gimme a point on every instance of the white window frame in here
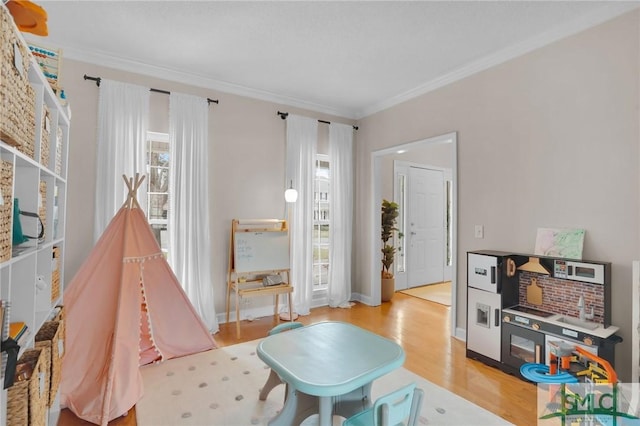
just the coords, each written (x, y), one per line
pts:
(164, 138)
(321, 217)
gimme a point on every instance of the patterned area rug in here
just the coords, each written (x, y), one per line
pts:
(221, 387)
(439, 293)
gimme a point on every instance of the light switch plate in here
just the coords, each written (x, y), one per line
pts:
(479, 233)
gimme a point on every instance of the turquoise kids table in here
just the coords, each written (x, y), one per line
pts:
(329, 368)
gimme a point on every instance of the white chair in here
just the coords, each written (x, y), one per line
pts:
(274, 380)
(400, 407)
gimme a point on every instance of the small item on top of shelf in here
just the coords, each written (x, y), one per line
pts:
(50, 61)
(29, 17)
(63, 101)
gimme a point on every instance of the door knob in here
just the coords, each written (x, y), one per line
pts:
(413, 233)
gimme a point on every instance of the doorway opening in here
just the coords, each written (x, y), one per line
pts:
(439, 150)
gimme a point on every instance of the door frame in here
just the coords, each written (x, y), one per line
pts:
(376, 197)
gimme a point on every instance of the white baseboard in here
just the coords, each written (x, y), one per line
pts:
(362, 299)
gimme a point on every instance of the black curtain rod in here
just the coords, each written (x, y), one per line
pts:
(284, 115)
(166, 92)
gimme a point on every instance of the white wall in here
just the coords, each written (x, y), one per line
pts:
(549, 139)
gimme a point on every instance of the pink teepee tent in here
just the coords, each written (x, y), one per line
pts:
(124, 308)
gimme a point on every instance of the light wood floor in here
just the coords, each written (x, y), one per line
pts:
(422, 329)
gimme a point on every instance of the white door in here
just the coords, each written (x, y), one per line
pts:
(425, 227)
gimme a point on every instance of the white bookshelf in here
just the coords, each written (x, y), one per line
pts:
(35, 258)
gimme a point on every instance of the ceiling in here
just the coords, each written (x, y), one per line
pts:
(344, 58)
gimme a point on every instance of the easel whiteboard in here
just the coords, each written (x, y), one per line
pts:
(261, 251)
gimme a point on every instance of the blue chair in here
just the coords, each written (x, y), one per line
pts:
(400, 407)
(274, 379)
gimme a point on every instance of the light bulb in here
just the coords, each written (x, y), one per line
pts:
(291, 195)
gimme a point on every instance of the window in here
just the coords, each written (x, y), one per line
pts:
(321, 223)
(158, 186)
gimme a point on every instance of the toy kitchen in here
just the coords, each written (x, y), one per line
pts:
(521, 307)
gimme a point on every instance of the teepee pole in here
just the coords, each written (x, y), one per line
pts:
(133, 185)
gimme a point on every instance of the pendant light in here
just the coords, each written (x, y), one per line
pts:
(291, 195)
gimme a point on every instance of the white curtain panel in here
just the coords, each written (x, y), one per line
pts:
(340, 214)
(302, 141)
(123, 115)
(190, 253)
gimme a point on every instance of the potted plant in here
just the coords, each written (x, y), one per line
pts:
(389, 220)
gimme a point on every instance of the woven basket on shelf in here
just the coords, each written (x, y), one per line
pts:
(17, 109)
(45, 136)
(32, 393)
(55, 274)
(49, 336)
(6, 210)
(58, 166)
(60, 318)
(18, 404)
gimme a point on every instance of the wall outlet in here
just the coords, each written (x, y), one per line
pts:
(479, 232)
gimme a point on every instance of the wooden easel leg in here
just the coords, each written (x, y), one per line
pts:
(237, 315)
(228, 301)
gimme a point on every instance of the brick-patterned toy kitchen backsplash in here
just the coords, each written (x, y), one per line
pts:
(561, 296)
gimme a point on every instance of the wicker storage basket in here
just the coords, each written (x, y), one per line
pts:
(60, 318)
(18, 404)
(49, 336)
(45, 136)
(17, 97)
(55, 274)
(6, 210)
(32, 393)
(58, 166)
(42, 211)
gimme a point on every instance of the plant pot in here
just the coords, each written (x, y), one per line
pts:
(388, 288)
